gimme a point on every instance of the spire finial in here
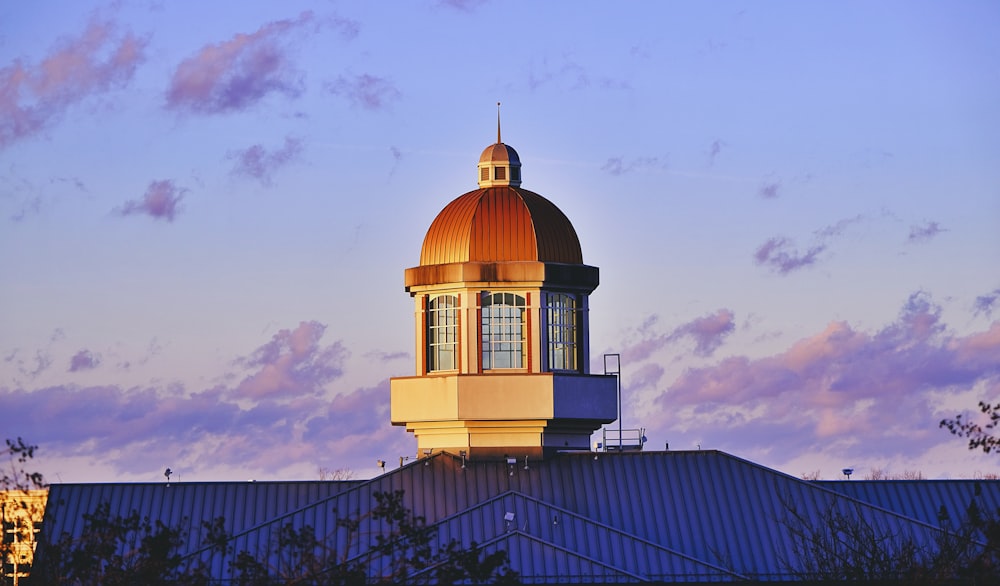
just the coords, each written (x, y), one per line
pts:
(498, 123)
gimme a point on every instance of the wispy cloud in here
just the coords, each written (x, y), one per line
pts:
(714, 149)
(260, 164)
(365, 91)
(778, 255)
(467, 6)
(293, 363)
(769, 189)
(236, 74)
(84, 360)
(838, 228)
(925, 232)
(160, 202)
(280, 415)
(984, 304)
(619, 166)
(708, 333)
(35, 96)
(844, 386)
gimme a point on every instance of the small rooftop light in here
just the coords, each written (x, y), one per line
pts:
(847, 472)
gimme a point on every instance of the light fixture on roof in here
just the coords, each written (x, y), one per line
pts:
(381, 464)
(526, 462)
(167, 473)
(847, 472)
(427, 455)
(462, 453)
(511, 462)
(508, 520)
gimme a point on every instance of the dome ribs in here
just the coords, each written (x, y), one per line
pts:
(501, 224)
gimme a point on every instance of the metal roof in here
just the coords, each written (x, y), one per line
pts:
(619, 517)
(500, 224)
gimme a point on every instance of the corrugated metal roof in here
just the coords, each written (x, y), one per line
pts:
(500, 224)
(694, 516)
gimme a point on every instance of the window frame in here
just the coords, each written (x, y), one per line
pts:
(442, 338)
(562, 323)
(503, 331)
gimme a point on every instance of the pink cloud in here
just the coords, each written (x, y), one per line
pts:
(366, 91)
(159, 202)
(84, 360)
(259, 163)
(293, 363)
(776, 254)
(238, 73)
(839, 381)
(708, 332)
(32, 97)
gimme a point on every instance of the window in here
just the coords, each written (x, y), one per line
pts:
(501, 173)
(442, 332)
(503, 330)
(561, 331)
(484, 174)
(515, 173)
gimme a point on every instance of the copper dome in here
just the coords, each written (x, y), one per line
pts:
(500, 153)
(500, 224)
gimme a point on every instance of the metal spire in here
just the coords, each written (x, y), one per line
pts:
(498, 123)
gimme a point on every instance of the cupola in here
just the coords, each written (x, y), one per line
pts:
(501, 315)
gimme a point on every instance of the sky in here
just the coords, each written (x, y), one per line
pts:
(206, 210)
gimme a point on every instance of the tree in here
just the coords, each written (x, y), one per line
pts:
(842, 544)
(114, 550)
(981, 437)
(405, 552)
(117, 550)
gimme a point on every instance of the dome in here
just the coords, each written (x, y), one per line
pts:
(500, 153)
(500, 224)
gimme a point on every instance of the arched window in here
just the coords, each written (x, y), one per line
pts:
(503, 330)
(442, 332)
(562, 317)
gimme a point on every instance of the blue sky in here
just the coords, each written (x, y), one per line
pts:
(206, 211)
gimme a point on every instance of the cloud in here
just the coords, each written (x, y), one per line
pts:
(34, 97)
(618, 166)
(776, 254)
(84, 360)
(838, 227)
(714, 149)
(260, 164)
(769, 190)
(365, 91)
(462, 5)
(984, 303)
(708, 332)
(843, 387)
(293, 363)
(236, 74)
(925, 232)
(279, 416)
(159, 202)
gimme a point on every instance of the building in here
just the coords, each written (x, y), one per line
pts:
(21, 514)
(502, 406)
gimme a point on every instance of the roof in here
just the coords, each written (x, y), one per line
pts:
(500, 224)
(500, 153)
(585, 517)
